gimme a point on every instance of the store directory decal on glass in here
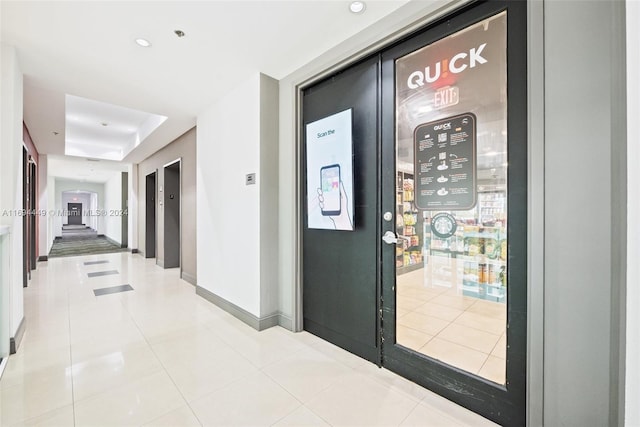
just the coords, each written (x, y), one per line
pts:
(330, 172)
(445, 163)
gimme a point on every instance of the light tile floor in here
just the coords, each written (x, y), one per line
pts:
(161, 356)
(466, 332)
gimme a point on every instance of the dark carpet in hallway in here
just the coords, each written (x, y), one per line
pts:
(78, 240)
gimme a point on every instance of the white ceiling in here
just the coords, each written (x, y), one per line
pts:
(105, 131)
(86, 49)
(84, 170)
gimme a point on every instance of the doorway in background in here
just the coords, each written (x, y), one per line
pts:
(150, 216)
(74, 211)
(124, 218)
(29, 234)
(172, 232)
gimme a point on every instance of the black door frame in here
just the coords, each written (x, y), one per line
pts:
(29, 235)
(33, 176)
(26, 269)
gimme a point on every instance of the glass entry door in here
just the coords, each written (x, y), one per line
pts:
(454, 178)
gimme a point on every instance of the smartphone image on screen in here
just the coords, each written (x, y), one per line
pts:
(330, 186)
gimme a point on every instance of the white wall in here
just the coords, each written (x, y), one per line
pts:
(228, 253)
(237, 245)
(93, 207)
(268, 181)
(132, 206)
(51, 218)
(5, 285)
(632, 386)
(113, 203)
(581, 102)
(11, 174)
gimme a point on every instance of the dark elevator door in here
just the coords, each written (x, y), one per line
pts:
(150, 217)
(172, 234)
(340, 277)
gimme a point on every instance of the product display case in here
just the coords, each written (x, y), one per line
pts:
(491, 207)
(443, 254)
(473, 260)
(409, 222)
(484, 267)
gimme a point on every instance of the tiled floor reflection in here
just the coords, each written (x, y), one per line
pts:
(465, 332)
(162, 356)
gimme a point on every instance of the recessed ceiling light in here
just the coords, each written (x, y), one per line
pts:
(143, 42)
(357, 6)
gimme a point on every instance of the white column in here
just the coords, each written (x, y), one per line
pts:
(632, 365)
(11, 176)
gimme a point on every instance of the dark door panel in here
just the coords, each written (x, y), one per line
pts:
(172, 233)
(150, 216)
(340, 267)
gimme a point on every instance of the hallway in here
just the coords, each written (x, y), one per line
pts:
(160, 355)
(81, 240)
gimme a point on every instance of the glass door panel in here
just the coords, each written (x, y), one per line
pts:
(451, 166)
(454, 171)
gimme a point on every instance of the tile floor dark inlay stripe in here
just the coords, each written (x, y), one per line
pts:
(102, 273)
(112, 290)
(104, 261)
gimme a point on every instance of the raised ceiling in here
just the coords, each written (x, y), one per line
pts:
(105, 131)
(88, 50)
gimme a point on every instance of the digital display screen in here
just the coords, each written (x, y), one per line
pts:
(329, 149)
